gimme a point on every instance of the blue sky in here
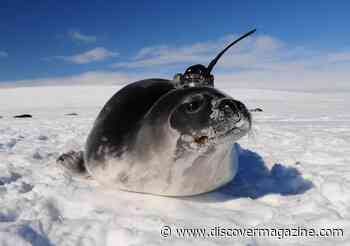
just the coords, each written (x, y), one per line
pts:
(53, 41)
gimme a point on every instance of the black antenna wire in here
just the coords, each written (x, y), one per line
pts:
(215, 60)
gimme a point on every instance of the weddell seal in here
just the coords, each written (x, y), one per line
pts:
(165, 137)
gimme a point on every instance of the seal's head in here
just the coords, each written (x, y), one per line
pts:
(206, 117)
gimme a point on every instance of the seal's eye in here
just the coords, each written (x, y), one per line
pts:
(194, 104)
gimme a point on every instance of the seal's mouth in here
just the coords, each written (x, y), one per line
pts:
(201, 140)
(223, 131)
(205, 139)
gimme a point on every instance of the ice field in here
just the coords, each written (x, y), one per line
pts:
(294, 173)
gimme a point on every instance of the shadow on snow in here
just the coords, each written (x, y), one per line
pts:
(254, 179)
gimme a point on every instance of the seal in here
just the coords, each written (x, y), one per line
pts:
(152, 138)
(156, 137)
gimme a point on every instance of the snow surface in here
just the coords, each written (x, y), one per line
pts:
(294, 171)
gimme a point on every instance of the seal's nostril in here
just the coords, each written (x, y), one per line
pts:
(230, 110)
(228, 106)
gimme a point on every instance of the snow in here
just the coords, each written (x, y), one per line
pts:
(294, 172)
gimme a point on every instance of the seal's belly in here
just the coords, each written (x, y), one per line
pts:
(190, 175)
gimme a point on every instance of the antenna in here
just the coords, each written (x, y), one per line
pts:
(215, 60)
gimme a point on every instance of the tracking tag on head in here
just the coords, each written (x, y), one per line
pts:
(199, 75)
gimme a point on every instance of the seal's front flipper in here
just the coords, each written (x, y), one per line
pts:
(73, 162)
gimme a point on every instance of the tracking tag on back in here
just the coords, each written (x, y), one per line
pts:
(199, 75)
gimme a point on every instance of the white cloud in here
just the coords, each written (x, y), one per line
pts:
(165, 55)
(340, 57)
(246, 51)
(94, 55)
(3, 54)
(77, 36)
(88, 78)
(256, 62)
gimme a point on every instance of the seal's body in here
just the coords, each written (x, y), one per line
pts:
(152, 138)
